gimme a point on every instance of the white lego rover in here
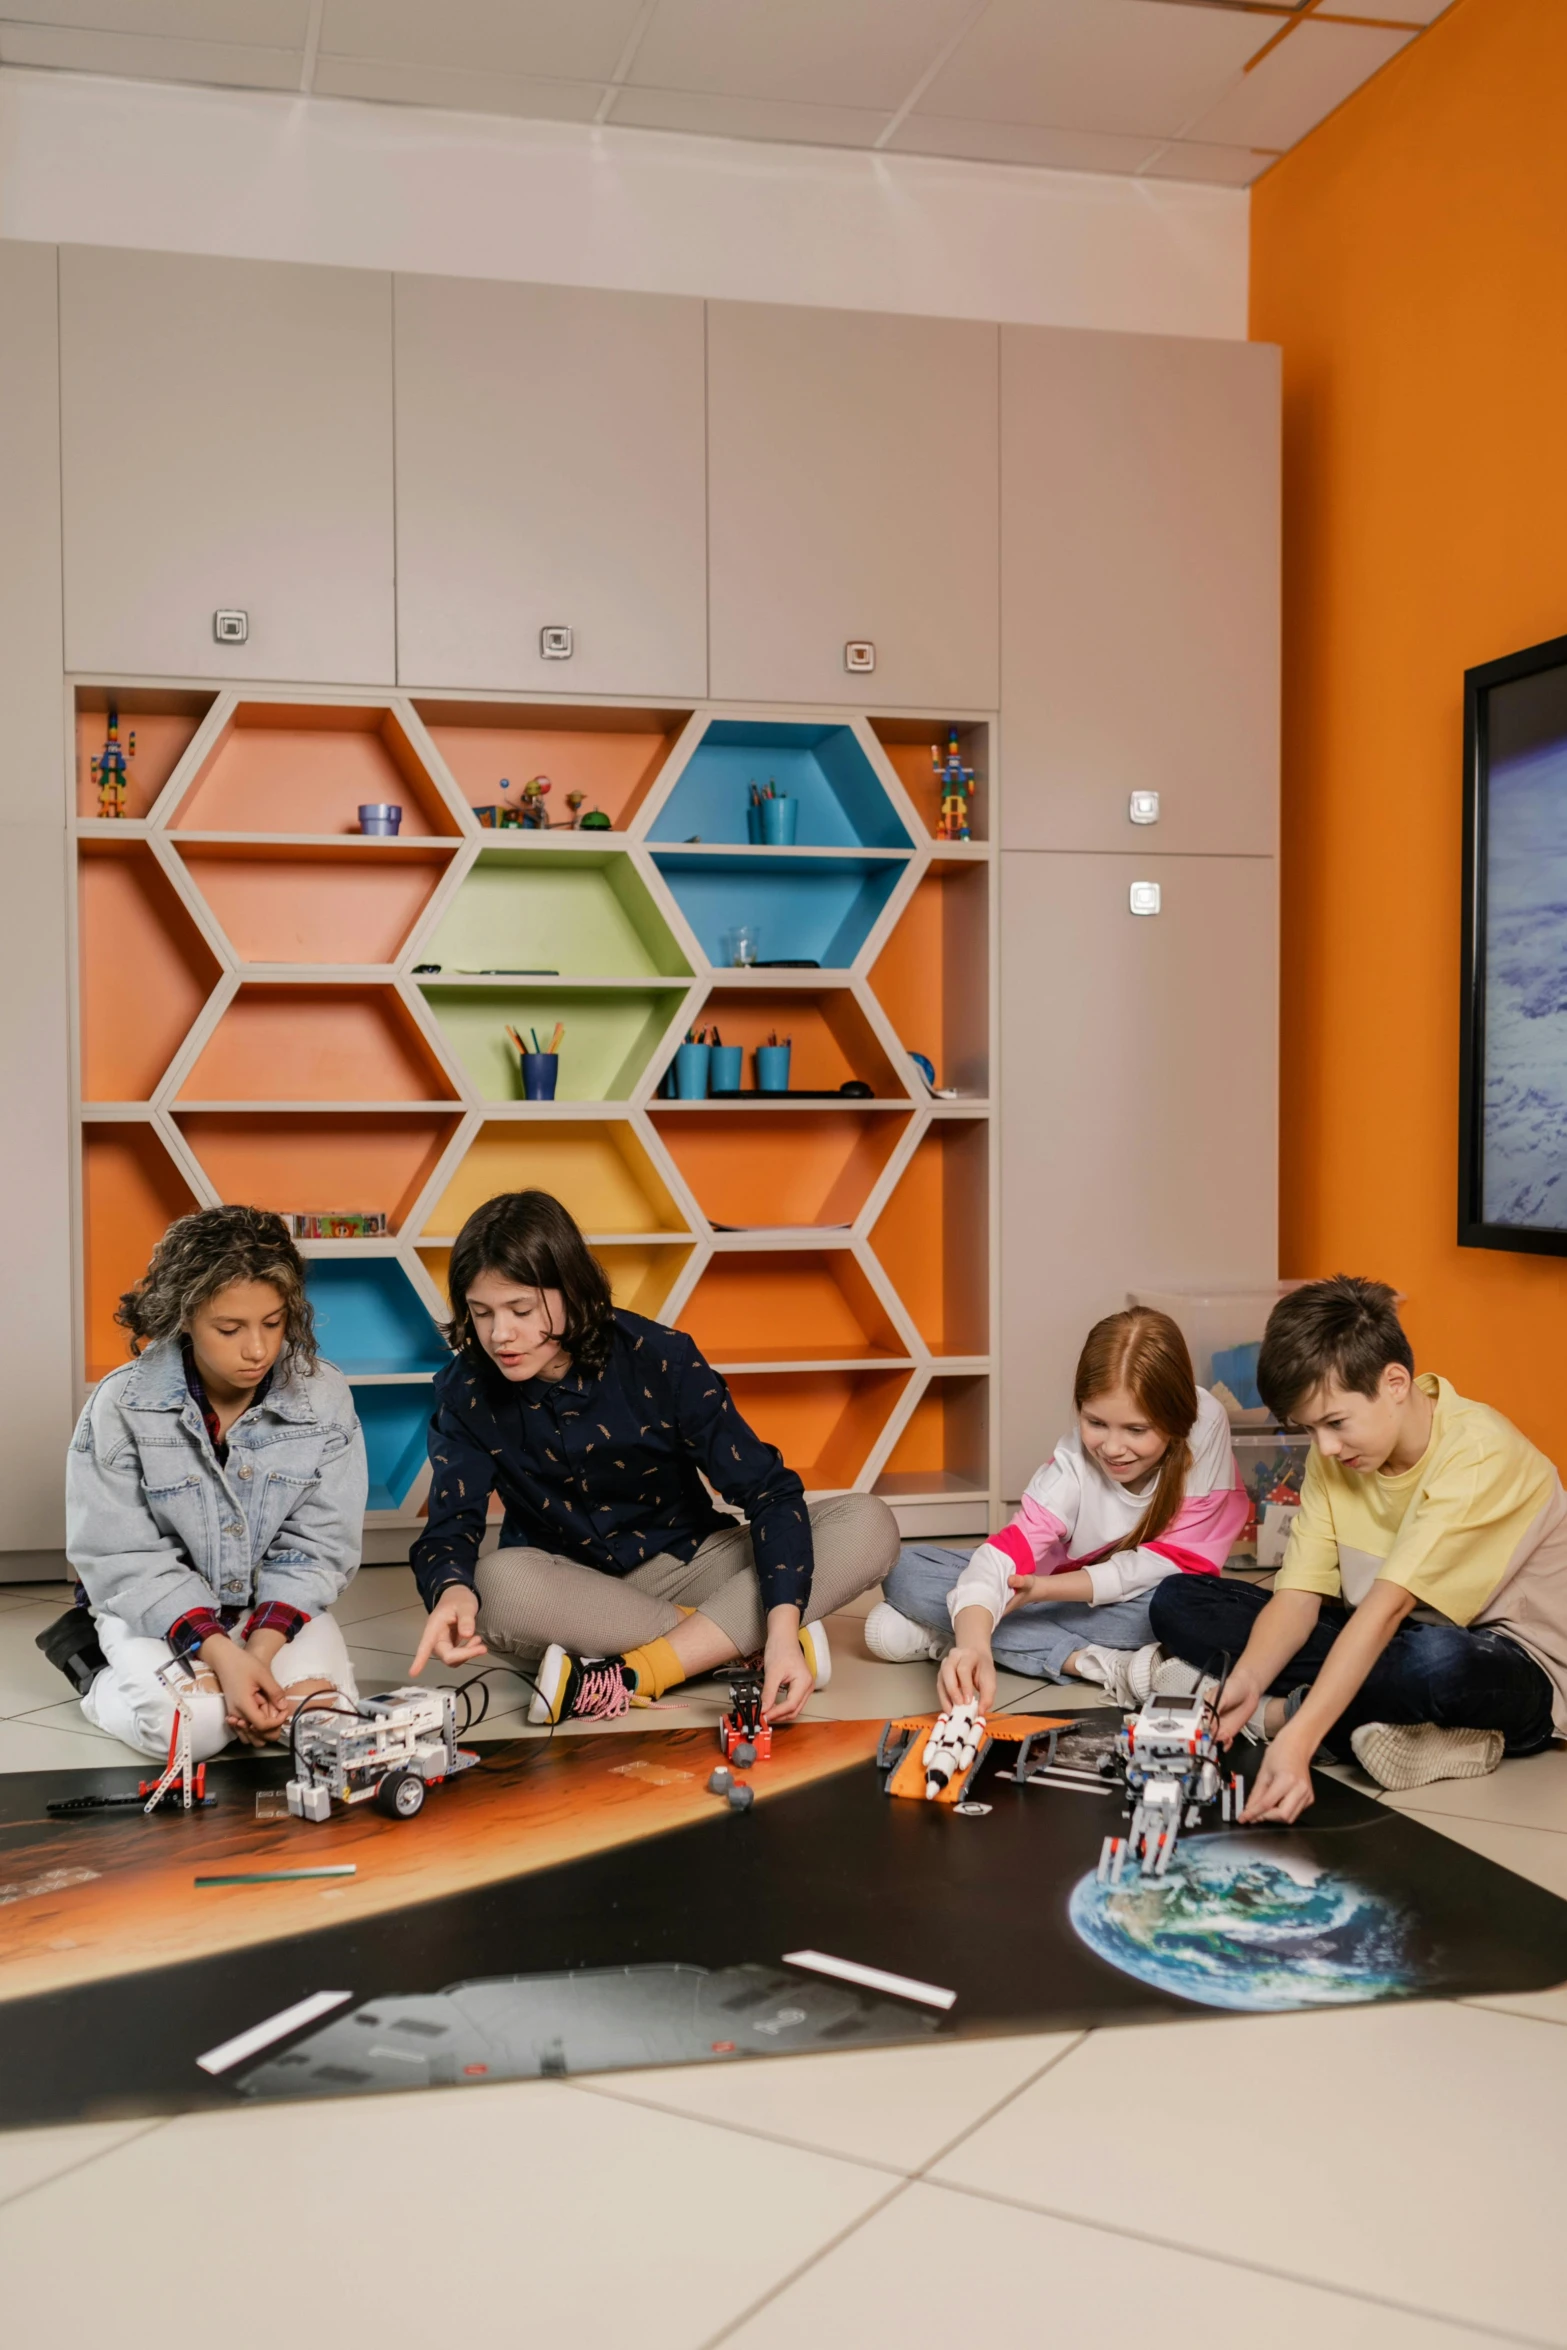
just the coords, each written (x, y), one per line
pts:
(386, 1751)
(1169, 1757)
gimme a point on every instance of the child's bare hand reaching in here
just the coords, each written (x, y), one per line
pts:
(967, 1677)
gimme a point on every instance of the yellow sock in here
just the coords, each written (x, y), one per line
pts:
(656, 1667)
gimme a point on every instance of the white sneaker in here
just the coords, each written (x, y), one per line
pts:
(1174, 1677)
(899, 1641)
(818, 1656)
(1124, 1674)
(1411, 1754)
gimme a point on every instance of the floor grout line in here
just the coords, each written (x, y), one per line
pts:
(597, 2087)
(1261, 2268)
(85, 2162)
(804, 2267)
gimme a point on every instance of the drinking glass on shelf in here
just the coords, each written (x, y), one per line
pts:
(742, 945)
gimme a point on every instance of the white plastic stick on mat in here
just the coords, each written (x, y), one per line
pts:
(276, 2027)
(870, 1978)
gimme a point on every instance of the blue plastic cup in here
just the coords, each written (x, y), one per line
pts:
(772, 1068)
(779, 818)
(691, 1067)
(726, 1067)
(539, 1072)
(753, 821)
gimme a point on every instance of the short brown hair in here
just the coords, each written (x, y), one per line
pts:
(1143, 1351)
(201, 1254)
(1344, 1329)
(531, 1238)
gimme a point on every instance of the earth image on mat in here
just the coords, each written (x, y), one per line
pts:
(1254, 1923)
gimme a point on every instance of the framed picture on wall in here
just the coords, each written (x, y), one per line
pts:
(1512, 1146)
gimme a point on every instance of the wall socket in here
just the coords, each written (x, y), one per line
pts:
(859, 654)
(555, 644)
(231, 628)
(1143, 807)
(1143, 897)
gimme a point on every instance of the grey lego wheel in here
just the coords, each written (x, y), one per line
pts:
(400, 1795)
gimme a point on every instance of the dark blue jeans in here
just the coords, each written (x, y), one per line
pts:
(1427, 1672)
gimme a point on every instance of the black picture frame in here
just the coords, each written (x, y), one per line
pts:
(1476, 1227)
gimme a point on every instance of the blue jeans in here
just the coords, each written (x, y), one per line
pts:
(1427, 1672)
(1037, 1639)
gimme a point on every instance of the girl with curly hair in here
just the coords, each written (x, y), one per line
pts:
(215, 1494)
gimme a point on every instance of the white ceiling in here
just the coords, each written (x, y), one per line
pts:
(1206, 90)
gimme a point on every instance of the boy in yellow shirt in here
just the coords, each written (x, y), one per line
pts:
(1419, 1621)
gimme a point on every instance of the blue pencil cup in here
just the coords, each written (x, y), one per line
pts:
(725, 1068)
(772, 1068)
(753, 822)
(779, 818)
(691, 1066)
(539, 1072)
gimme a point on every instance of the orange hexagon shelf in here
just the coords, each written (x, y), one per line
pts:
(790, 1306)
(316, 1163)
(944, 1446)
(308, 768)
(131, 1192)
(316, 1044)
(156, 730)
(600, 1170)
(932, 1237)
(831, 1037)
(613, 756)
(825, 1423)
(316, 904)
(761, 1170)
(146, 970)
(931, 978)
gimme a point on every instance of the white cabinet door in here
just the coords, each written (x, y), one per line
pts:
(550, 474)
(1139, 1105)
(853, 480)
(1139, 591)
(226, 431)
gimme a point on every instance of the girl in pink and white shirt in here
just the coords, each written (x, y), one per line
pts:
(1144, 1486)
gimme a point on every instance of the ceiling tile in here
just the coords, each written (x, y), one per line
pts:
(1214, 167)
(748, 118)
(1021, 142)
(1312, 70)
(465, 89)
(264, 24)
(826, 52)
(232, 64)
(1099, 65)
(566, 40)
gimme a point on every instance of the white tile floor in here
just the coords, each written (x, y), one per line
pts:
(1379, 2179)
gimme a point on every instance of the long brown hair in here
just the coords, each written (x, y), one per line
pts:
(1144, 1352)
(531, 1238)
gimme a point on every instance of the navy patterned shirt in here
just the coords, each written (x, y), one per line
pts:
(605, 1470)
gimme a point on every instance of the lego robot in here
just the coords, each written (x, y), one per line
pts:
(1168, 1757)
(743, 1735)
(386, 1751)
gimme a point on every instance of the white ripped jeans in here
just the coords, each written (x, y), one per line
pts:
(130, 1703)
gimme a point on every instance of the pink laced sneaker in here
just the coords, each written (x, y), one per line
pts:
(580, 1689)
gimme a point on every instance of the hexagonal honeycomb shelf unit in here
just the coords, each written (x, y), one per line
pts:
(315, 1162)
(943, 1449)
(802, 909)
(790, 1306)
(932, 976)
(775, 1169)
(825, 1423)
(614, 756)
(370, 1318)
(145, 971)
(840, 800)
(395, 1421)
(572, 913)
(612, 1033)
(157, 727)
(832, 1038)
(131, 1192)
(932, 1237)
(310, 903)
(299, 767)
(601, 1169)
(316, 1044)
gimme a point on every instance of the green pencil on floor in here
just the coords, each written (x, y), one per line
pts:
(281, 1876)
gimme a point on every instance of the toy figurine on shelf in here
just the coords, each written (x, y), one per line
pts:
(110, 770)
(955, 781)
(533, 813)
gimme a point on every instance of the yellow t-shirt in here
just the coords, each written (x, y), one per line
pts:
(1476, 1530)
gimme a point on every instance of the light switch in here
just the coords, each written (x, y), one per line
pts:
(1144, 897)
(1144, 807)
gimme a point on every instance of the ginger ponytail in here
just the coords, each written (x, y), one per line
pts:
(1144, 1352)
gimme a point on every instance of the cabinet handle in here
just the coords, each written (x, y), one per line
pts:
(555, 644)
(1143, 807)
(859, 654)
(1143, 897)
(231, 628)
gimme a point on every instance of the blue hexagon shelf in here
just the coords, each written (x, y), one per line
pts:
(840, 800)
(394, 1420)
(368, 1317)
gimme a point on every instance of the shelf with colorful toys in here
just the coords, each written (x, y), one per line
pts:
(355, 1027)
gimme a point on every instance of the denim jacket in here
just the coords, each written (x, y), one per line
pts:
(155, 1527)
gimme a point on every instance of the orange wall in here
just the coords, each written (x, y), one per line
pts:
(1409, 258)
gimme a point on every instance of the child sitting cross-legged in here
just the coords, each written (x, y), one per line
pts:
(1144, 1487)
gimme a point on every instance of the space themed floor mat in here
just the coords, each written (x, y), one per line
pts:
(587, 1904)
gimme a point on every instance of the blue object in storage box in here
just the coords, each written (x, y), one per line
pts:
(1235, 1367)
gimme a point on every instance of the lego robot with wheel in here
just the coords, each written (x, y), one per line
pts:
(384, 1750)
(742, 1726)
(1169, 1759)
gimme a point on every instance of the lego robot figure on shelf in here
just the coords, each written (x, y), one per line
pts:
(953, 1748)
(386, 1751)
(1169, 1759)
(110, 770)
(743, 1735)
(532, 813)
(955, 780)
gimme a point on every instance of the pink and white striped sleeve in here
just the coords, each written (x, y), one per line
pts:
(1034, 1543)
(1196, 1542)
